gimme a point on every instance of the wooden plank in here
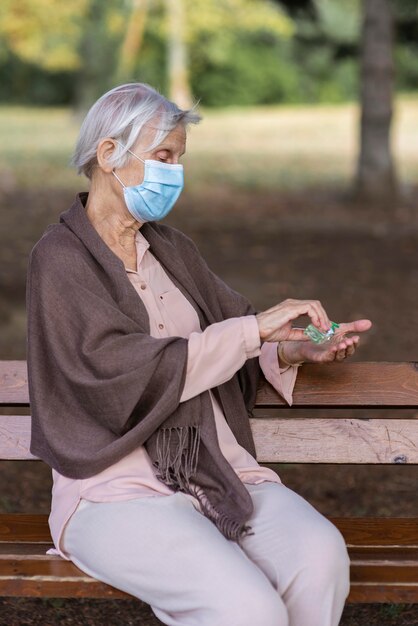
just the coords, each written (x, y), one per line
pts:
(343, 384)
(13, 383)
(367, 384)
(361, 593)
(78, 587)
(59, 578)
(37, 577)
(24, 528)
(287, 440)
(386, 593)
(53, 567)
(320, 440)
(395, 554)
(384, 572)
(394, 532)
(14, 550)
(15, 437)
(378, 531)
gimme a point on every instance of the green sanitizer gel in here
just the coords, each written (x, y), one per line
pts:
(317, 336)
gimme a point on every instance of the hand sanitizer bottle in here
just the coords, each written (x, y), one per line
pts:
(317, 336)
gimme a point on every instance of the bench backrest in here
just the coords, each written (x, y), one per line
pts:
(341, 413)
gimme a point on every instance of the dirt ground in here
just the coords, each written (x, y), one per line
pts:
(358, 260)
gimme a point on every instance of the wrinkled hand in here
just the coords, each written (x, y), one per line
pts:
(275, 324)
(337, 349)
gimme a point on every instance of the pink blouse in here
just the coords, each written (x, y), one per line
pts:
(214, 356)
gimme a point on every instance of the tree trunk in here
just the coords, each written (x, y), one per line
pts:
(132, 42)
(179, 88)
(376, 177)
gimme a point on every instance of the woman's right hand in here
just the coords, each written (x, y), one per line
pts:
(275, 324)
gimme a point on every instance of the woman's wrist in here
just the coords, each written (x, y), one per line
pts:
(264, 333)
(288, 353)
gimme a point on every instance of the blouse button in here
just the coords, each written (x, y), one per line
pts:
(160, 325)
(143, 286)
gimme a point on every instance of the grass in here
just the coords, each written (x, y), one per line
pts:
(277, 147)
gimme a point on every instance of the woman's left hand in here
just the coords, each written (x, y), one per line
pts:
(337, 349)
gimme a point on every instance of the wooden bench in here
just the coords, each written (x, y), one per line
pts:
(383, 551)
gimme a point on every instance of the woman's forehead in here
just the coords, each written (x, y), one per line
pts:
(174, 140)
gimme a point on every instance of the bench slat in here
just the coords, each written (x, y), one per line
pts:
(319, 440)
(365, 572)
(385, 582)
(356, 384)
(379, 531)
(53, 587)
(285, 440)
(58, 568)
(15, 437)
(15, 587)
(24, 528)
(24, 550)
(13, 383)
(375, 384)
(357, 531)
(380, 592)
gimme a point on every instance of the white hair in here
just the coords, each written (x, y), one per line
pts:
(121, 113)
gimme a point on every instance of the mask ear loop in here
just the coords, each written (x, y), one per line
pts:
(130, 151)
(116, 176)
(113, 171)
(133, 154)
(136, 156)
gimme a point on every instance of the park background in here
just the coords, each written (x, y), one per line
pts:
(301, 181)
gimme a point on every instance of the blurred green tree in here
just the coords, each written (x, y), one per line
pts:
(77, 39)
(43, 32)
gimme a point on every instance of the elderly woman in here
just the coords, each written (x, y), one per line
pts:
(143, 369)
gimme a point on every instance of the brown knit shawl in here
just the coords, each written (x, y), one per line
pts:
(100, 385)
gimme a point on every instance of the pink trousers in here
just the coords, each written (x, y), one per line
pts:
(294, 571)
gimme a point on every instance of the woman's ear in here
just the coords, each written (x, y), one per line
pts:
(105, 149)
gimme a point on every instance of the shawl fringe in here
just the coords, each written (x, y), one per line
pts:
(177, 451)
(177, 455)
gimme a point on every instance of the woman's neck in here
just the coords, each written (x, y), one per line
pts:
(115, 225)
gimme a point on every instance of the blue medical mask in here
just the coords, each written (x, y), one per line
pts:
(154, 198)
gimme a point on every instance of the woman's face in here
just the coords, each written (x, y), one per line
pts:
(168, 151)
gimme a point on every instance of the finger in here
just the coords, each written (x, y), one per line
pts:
(296, 334)
(319, 313)
(358, 326)
(340, 356)
(346, 340)
(325, 321)
(295, 308)
(351, 350)
(301, 337)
